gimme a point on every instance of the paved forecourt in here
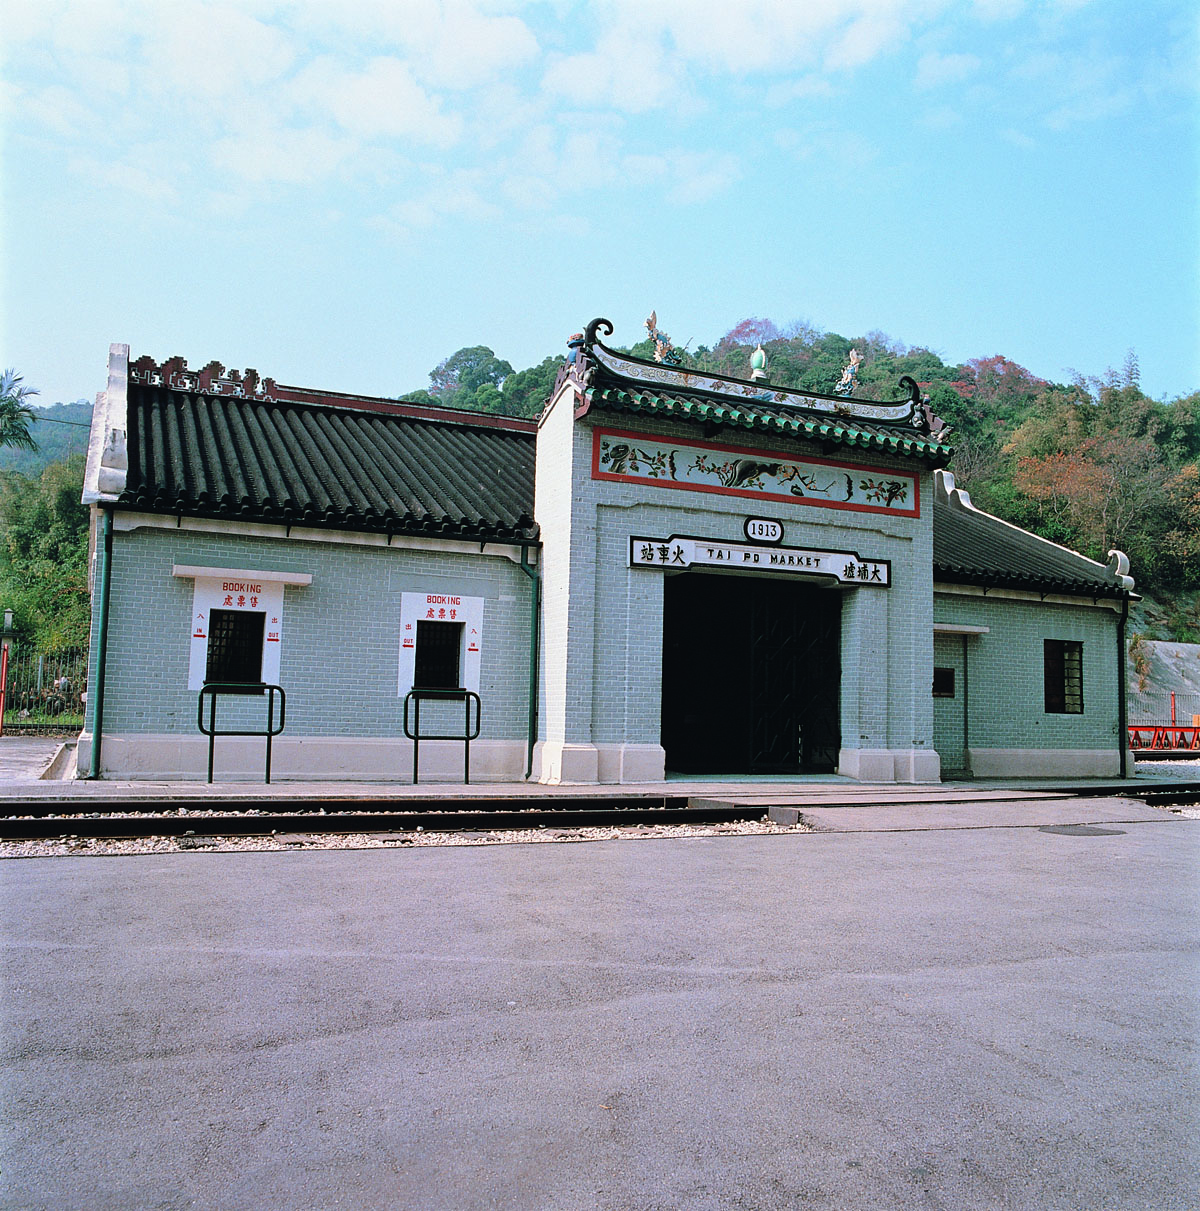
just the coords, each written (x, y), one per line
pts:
(976, 1018)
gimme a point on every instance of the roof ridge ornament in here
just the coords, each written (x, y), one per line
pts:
(1118, 569)
(595, 356)
(664, 352)
(214, 379)
(845, 384)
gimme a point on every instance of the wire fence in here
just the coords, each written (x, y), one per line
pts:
(44, 692)
(1163, 709)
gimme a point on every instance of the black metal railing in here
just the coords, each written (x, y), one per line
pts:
(468, 733)
(44, 691)
(240, 688)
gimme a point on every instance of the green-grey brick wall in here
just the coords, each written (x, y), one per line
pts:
(1006, 703)
(339, 660)
(884, 694)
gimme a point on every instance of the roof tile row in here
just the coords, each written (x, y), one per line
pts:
(790, 422)
(298, 464)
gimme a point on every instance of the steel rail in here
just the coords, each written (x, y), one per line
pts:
(209, 822)
(244, 818)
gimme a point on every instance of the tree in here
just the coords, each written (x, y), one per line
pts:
(15, 414)
(59, 430)
(752, 331)
(527, 391)
(464, 372)
(44, 554)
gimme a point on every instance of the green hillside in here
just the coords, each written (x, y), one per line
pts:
(60, 430)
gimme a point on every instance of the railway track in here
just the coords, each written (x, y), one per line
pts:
(334, 817)
(247, 817)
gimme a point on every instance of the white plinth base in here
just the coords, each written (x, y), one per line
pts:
(556, 762)
(1045, 762)
(308, 758)
(890, 764)
(631, 762)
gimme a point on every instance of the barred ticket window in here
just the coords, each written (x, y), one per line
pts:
(237, 623)
(1063, 676)
(441, 641)
(943, 683)
(235, 645)
(438, 655)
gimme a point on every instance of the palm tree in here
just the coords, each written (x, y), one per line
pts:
(15, 414)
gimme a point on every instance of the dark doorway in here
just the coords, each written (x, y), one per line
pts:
(751, 670)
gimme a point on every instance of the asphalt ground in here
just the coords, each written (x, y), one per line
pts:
(26, 758)
(968, 1018)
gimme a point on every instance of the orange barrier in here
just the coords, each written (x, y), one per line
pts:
(1152, 736)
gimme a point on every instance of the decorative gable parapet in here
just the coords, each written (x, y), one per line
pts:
(213, 379)
(107, 468)
(589, 354)
(1118, 569)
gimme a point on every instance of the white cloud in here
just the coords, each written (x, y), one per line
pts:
(698, 176)
(1018, 139)
(799, 89)
(383, 100)
(443, 197)
(934, 70)
(626, 72)
(264, 153)
(55, 108)
(128, 177)
(868, 36)
(943, 118)
(772, 35)
(1080, 85)
(448, 43)
(201, 52)
(998, 10)
(467, 47)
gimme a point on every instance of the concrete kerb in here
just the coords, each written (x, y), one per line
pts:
(62, 764)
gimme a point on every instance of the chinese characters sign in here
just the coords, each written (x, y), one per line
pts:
(757, 474)
(674, 553)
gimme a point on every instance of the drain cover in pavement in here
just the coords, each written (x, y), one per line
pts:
(1081, 830)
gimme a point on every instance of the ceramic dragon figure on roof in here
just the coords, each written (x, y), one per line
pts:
(664, 351)
(845, 385)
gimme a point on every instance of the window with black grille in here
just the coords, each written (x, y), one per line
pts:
(439, 645)
(1064, 677)
(235, 645)
(943, 683)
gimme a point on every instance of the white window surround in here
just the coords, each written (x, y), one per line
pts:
(237, 589)
(440, 607)
(959, 628)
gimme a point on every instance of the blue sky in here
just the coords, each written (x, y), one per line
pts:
(341, 195)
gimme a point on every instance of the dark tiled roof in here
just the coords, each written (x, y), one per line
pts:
(972, 547)
(299, 464)
(791, 422)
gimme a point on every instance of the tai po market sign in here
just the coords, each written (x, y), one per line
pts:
(676, 553)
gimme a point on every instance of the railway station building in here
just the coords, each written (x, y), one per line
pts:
(669, 573)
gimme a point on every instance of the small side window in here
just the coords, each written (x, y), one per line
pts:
(943, 683)
(1063, 676)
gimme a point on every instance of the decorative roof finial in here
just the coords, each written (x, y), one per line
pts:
(758, 364)
(845, 384)
(664, 351)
